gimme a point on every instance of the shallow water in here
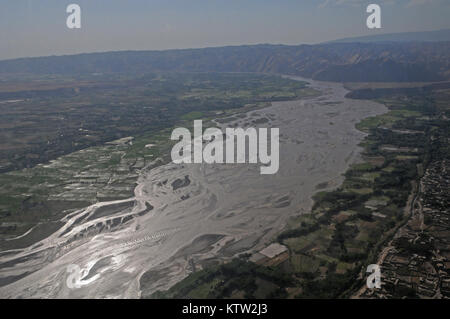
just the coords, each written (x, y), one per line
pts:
(224, 210)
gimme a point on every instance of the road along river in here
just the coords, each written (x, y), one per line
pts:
(183, 215)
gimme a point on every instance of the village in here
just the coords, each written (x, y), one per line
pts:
(417, 262)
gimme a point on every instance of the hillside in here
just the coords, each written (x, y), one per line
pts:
(424, 36)
(342, 62)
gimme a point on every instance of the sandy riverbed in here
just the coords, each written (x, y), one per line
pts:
(217, 211)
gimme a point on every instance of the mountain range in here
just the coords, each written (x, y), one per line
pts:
(340, 62)
(424, 36)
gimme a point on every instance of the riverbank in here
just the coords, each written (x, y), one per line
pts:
(223, 212)
(329, 248)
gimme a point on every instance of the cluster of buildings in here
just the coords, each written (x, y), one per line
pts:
(416, 264)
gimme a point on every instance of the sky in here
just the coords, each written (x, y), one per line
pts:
(38, 27)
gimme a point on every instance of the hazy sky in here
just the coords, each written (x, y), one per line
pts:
(38, 27)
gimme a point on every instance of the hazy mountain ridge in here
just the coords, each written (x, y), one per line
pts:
(346, 62)
(424, 36)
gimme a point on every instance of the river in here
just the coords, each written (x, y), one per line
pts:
(219, 210)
